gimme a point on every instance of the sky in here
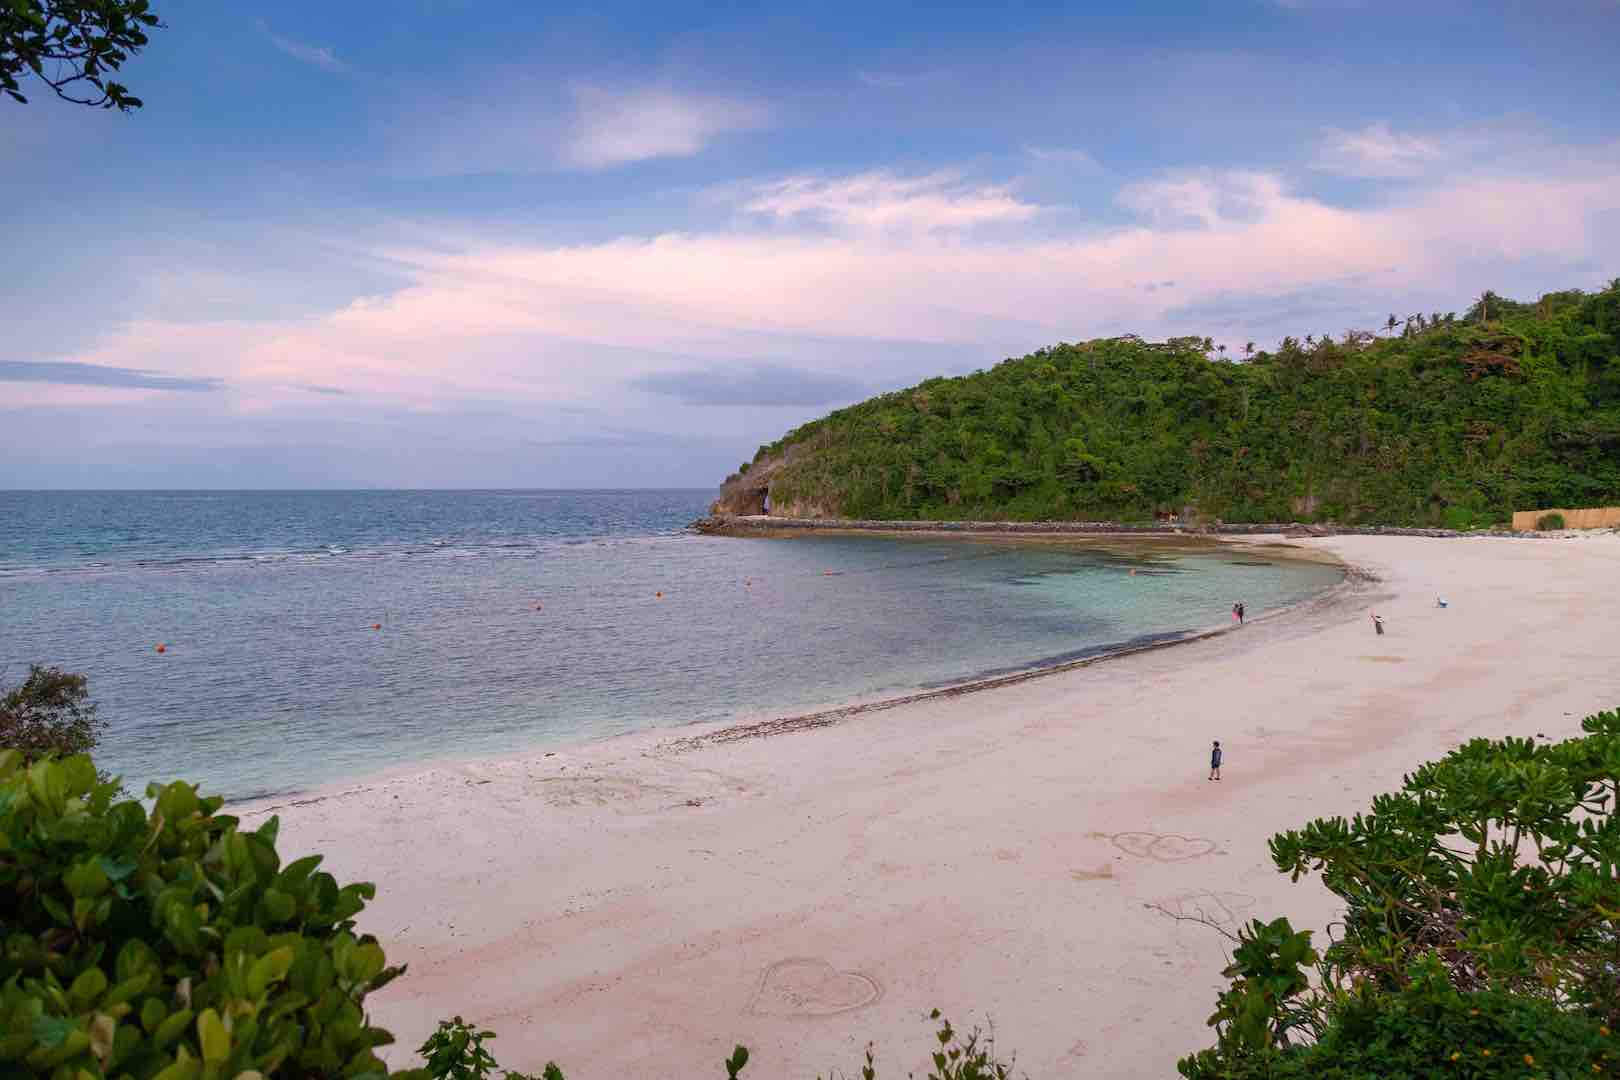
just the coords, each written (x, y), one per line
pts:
(432, 243)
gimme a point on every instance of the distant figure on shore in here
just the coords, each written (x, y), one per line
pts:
(1378, 625)
(1241, 612)
(1215, 761)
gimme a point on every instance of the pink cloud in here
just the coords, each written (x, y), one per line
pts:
(574, 324)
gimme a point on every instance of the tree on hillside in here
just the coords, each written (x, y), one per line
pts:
(1248, 349)
(74, 47)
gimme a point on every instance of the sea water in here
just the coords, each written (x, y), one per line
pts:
(316, 637)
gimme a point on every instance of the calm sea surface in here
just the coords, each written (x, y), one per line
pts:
(512, 619)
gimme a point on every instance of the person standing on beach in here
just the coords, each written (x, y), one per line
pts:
(1240, 612)
(1378, 625)
(1215, 761)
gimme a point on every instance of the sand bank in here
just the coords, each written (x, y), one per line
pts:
(633, 908)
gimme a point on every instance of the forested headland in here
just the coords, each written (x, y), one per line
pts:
(1441, 419)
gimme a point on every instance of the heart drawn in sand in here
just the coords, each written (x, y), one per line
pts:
(1162, 847)
(805, 986)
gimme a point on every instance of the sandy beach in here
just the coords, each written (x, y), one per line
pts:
(635, 907)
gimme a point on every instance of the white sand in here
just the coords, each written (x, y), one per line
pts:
(992, 854)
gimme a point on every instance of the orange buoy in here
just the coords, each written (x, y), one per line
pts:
(162, 648)
(376, 626)
(659, 595)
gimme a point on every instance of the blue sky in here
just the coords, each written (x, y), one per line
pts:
(438, 243)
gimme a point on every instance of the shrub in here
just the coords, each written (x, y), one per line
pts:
(50, 712)
(169, 943)
(1429, 1029)
(1549, 522)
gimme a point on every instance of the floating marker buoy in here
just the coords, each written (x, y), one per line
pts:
(376, 626)
(659, 595)
(162, 648)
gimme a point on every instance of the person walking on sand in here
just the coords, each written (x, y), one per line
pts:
(1378, 625)
(1215, 761)
(1240, 612)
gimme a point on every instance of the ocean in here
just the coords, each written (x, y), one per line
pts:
(316, 637)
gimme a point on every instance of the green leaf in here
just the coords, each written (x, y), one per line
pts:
(216, 1041)
(51, 1031)
(269, 968)
(276, 906)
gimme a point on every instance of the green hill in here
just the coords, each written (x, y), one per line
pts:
(1452, 420)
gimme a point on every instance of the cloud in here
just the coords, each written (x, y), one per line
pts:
(1062, 155)
(761, 384)
(1205, 197)
(69, 373)
(882, 200)
(320, 56)
(620, 126)
(805, 317)
(1376, 152)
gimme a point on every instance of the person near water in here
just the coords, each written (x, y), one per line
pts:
(1378, 625)
(1215, 761)
(1235, 616)
(1240, 612)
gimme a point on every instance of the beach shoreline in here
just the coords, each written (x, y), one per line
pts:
(635, 906)
(755, 724)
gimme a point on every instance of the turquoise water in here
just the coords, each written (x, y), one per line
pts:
(515, 619)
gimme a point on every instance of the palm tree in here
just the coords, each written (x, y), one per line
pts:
(1222, 351)
(1310, 339)
(1248, 349)
(1389, 327)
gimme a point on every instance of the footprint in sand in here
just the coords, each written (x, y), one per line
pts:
(806, 986)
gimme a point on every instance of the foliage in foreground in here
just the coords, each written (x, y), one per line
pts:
(170, 943)
(1481, 934)
(1453, 420)
(75, 47)
(50, 712)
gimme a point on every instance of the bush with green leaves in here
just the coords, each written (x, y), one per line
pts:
(50, 712)
(1428, 1028)
(1550, 522)
(1481, 919)
(168, 942)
